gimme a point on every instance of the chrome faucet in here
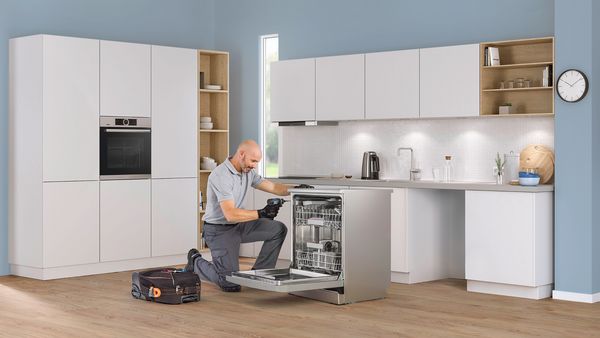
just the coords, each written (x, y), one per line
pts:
(414, 172)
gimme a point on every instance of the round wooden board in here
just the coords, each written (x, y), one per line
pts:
(539, 157)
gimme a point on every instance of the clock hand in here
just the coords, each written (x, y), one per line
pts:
(576, 82)
(566, 82)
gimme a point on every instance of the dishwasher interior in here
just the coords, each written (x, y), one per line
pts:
(318, 233)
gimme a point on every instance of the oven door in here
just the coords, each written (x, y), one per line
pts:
(285, 280)
(125, 153)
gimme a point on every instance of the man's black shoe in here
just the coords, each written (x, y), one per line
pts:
(233, 288)
(191, 258)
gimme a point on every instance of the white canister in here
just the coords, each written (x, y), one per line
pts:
(511, 167)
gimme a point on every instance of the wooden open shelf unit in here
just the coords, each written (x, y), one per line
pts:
(213, 69)
(525, 59)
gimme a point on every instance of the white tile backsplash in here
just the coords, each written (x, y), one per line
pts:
(473, 143)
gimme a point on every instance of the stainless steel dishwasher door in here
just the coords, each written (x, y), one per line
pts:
(285, 280)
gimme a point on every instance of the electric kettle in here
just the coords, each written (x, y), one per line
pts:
(370, 166)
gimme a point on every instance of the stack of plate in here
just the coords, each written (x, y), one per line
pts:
(207, 163)
(213, 87)
(206, 122)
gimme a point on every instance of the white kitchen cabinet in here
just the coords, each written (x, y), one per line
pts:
(449, 81)
(124, 79)
(70, 223)
(392, 84)
(124, 219)
(284, 216)
(340, 88)
(174, 112)
(174, 215)
(68, 104)
(509, 240)
(293, 90)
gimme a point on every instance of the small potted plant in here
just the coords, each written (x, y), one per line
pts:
(505, 108)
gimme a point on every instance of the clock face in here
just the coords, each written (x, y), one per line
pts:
(572, 85)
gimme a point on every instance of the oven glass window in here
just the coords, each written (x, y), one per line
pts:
(124, 151)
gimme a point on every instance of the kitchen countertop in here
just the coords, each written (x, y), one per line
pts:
(423, 184)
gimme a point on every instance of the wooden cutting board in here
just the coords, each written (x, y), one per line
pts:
(539, 157)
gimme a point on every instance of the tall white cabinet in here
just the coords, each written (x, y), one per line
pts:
(449, 84)
(125, 79)
(53, 157)
(64, 221)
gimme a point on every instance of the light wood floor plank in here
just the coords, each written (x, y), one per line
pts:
(101, 306)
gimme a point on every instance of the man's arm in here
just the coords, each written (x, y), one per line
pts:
(273, 188)
(236, 215)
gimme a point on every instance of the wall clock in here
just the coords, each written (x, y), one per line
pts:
(572, 85)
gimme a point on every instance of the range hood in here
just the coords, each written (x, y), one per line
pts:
(306, 123)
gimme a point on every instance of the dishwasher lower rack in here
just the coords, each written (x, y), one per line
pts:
(330, 261)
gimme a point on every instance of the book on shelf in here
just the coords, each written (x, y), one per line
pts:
(494, 56)
(547, 76)
(485, 57)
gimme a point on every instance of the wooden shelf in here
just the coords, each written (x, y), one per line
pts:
(213, 68)
(214, 131)
(517, 89)
(519, 65)
(519, 115)
(520, 59)
(220, 91)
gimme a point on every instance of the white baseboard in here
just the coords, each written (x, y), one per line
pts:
(539, 292)
(96, 268)
(576, 297)
(400, 277)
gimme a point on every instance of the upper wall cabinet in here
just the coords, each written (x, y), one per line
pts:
(174, 112)
(340, 88)
(124, 79)
(293, 90)
(449, 84)
(392, 84)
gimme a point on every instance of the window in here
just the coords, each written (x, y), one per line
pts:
(269, 134)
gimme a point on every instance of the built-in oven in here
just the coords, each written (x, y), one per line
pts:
(125, 148)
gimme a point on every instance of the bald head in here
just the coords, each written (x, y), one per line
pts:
(247, 156)
(249, 146)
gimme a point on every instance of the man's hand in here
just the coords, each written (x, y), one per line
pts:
(269, 211)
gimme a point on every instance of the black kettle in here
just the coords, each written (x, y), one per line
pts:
(370, 166)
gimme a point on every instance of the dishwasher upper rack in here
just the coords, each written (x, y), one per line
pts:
(318, 215)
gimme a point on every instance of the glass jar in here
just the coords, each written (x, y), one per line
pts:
(526, 83)
(519, 82)
(510, 84)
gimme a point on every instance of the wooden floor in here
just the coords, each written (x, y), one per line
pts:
(101, 306)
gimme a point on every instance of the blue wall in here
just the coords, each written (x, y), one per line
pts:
(577, 139)
(595, 92)
(309, 28)
(181, 23)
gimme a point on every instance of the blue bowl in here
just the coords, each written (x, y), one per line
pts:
(529, 180)
(528, 175)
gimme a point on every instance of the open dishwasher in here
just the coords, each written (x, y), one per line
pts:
(340, 251)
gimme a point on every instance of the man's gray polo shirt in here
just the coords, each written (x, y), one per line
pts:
(226, 183)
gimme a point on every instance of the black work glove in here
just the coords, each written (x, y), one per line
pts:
(269, 211)
(304, 186)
